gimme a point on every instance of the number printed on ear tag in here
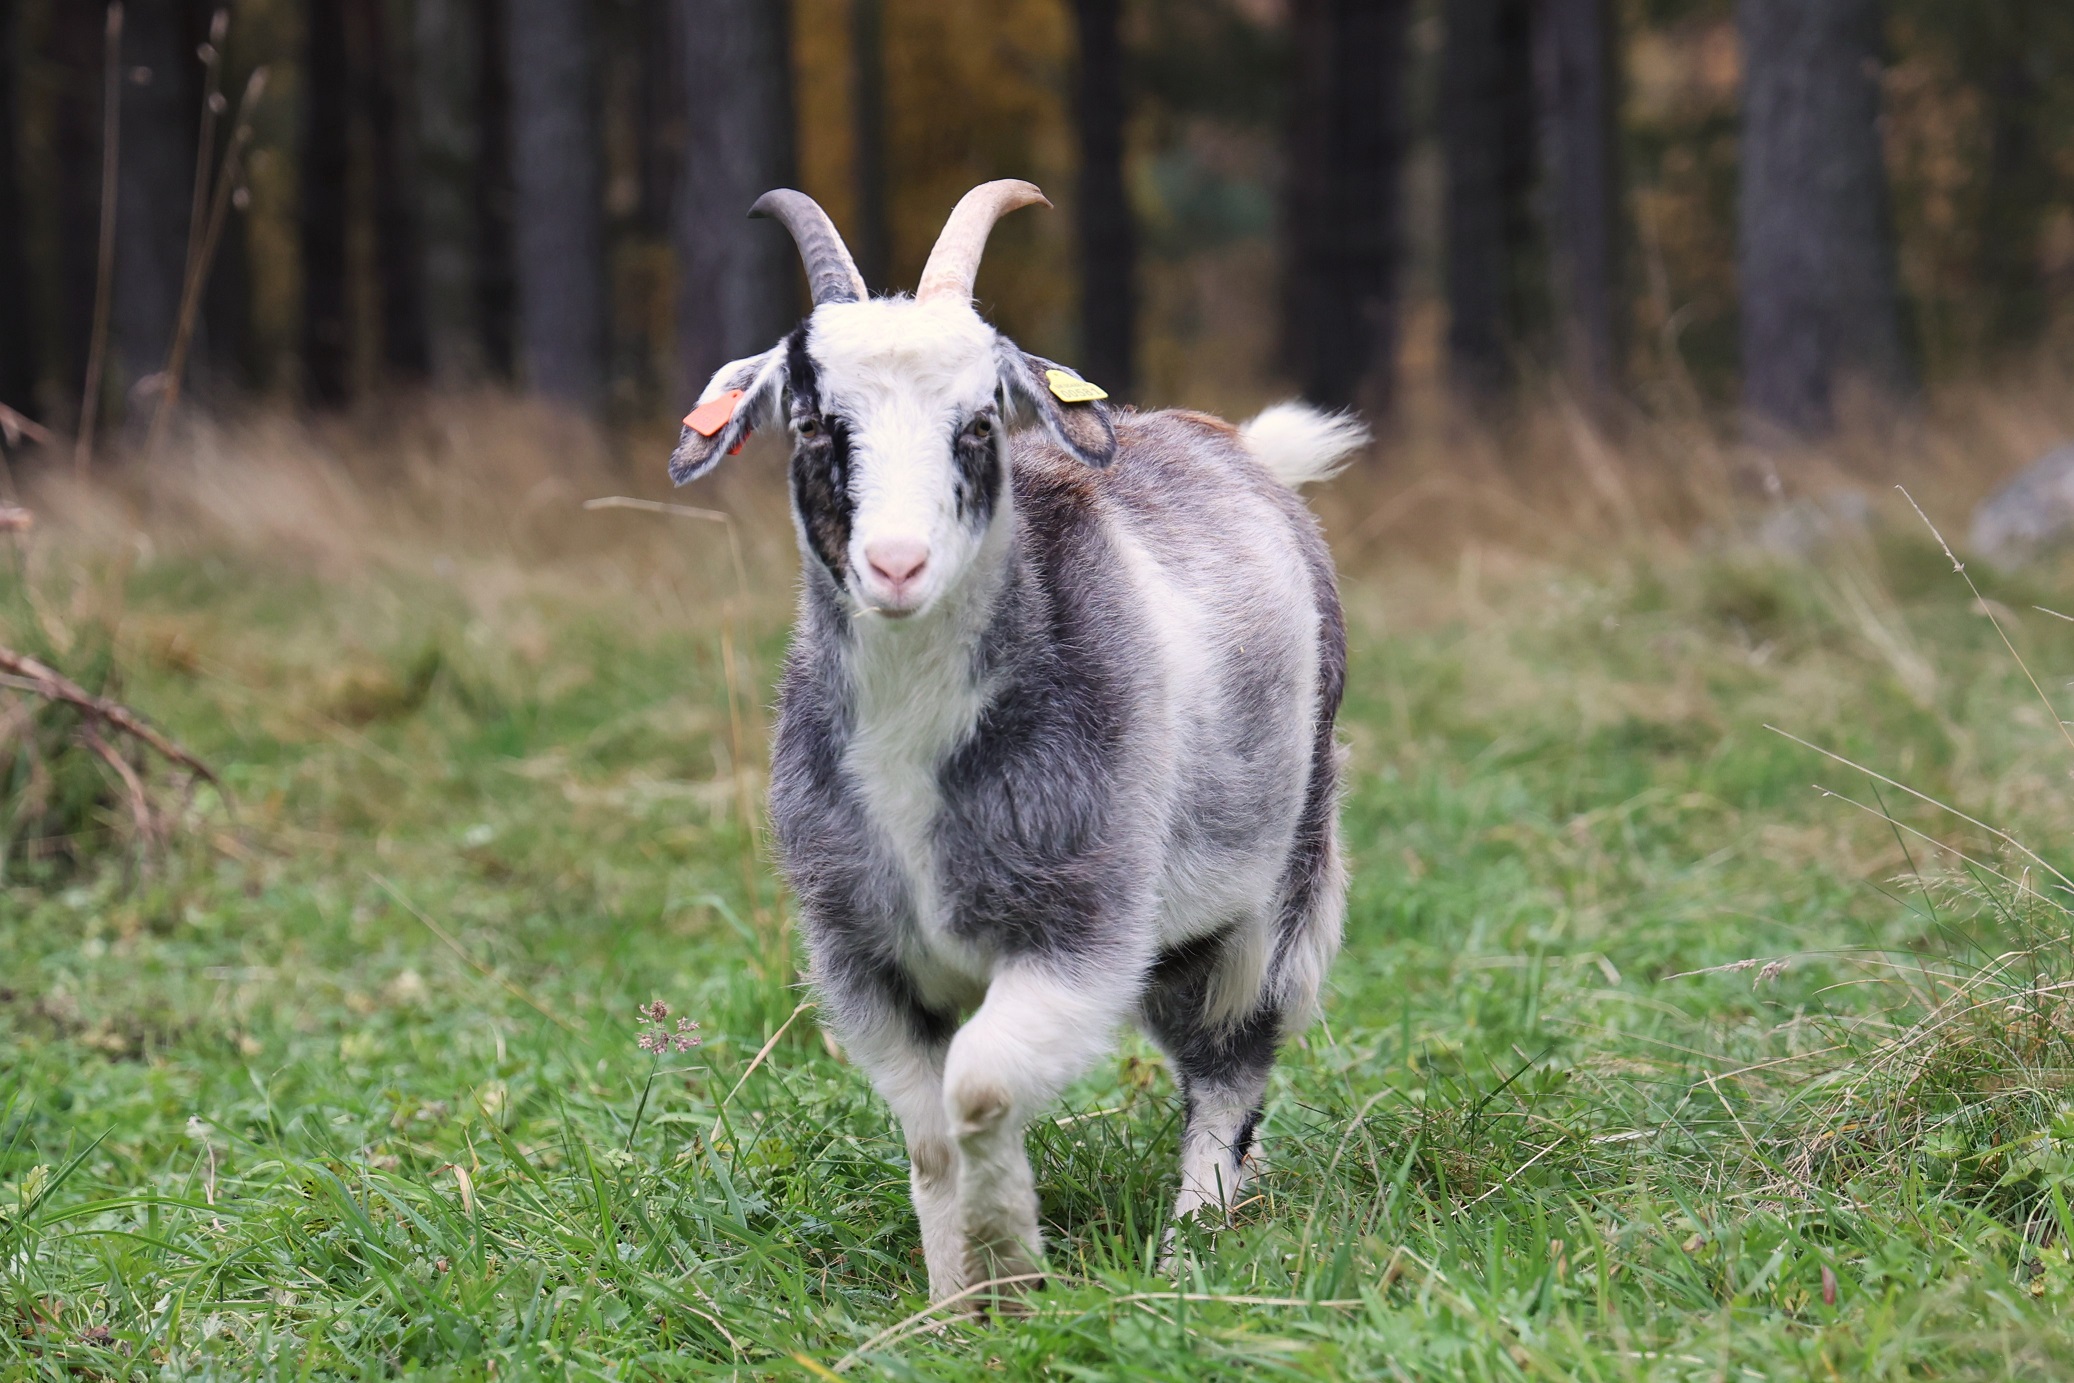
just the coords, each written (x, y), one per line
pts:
(712, 415)
(1071, 390)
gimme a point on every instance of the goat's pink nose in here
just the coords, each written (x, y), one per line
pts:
(897, 561)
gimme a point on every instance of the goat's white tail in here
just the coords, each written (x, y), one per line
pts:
(1301, 445)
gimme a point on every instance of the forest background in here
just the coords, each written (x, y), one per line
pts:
(1368, 201)
(334, 404)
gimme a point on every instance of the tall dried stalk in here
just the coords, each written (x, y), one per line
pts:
(104, 265)
(201, 255)
(211, 54)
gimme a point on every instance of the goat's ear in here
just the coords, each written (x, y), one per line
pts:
(713, 430)
(1072, 412)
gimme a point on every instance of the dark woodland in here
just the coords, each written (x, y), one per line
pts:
(1775, 206)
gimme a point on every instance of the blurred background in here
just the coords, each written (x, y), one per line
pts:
(1760, 213)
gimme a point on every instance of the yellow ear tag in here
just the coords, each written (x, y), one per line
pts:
(1071, 390)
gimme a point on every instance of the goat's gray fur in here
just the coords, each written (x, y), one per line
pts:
(1076, 769)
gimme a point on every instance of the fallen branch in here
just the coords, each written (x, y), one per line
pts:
(47, 682)
(14, 427)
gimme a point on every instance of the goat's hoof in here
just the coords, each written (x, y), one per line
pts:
(1007, 1302)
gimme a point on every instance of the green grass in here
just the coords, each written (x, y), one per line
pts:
(347, 1084)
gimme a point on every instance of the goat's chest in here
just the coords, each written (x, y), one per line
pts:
(910, 718)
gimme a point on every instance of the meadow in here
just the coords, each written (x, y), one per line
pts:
(1666, 1043)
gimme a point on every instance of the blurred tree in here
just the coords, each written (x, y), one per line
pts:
(872, 241)
(1343, 242)
(739, 280)
(1486, 117)
(1821, 303)
(1985, 128)
(2021, 178)
(496, 274)
(75, 49)
(17, 337)
(1108, 237)
(660, 134)
(1576, 70)
(379, 68)
(446, 77)
(162, 108)
(2022, 59)
(327, 158)
(559, 221)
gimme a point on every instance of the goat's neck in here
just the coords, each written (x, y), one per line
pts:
(923, 673)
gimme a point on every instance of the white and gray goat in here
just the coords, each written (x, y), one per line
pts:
(1054, 748)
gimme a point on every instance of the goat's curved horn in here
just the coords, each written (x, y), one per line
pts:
(954, 263)
(831, 273)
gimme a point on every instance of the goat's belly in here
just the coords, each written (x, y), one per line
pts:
(1229, 834)
(1199, 896)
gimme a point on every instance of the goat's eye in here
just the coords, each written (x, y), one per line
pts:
(809, 427)
(982, 427)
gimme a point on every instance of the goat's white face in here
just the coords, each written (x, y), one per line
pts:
(898, 409)
(902, 402)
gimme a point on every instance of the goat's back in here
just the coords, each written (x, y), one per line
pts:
(1229, 589)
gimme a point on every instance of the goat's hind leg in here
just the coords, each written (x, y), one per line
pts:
(1221, 1069)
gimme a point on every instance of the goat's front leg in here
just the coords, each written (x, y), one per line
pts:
(905, 1063)
(1040, 1026)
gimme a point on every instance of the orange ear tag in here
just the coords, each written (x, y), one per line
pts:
(712, 415)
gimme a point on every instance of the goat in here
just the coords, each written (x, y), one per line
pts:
(1054, 746)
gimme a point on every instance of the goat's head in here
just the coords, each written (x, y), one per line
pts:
(898, 409)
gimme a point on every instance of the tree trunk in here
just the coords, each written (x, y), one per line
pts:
(406, 351)
(1576, 80)
(559, 221)
(1821, 305)
(1108, 239)
(2019, 191)
(496, 276)
(76, 37)
(230, 363)
(1342, 234)
(873, 244)
(2017, 47)
(446, 80)
(739, 279)
(327, 158)
(161, 113)
(661, 132)
(17, 333)
(1487, 143)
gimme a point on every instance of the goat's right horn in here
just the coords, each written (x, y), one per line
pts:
(831, 273)
(954, 263)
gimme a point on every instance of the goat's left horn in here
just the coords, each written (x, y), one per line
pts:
(954, 263)
(831, 273)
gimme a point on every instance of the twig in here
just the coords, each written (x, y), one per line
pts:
(477, 966)
(140, 802)
(893, 1331)
(754, 1063)
(104, 265)
(656, 506)
(2000, 835)
(53, 685)
(1513, 1177)
(14, 426)
(1989, 611)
